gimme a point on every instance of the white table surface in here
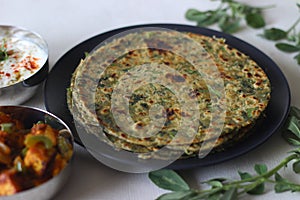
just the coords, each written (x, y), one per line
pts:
(65, 23)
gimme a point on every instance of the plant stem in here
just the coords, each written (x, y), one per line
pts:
(256, 180)
(266, 7)
(270, 173)
(294, 25)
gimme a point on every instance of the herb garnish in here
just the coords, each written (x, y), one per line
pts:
(3, 51)
(227, 189)
(291, 37)
(228, 16)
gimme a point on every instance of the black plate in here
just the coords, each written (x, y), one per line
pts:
(59, 79)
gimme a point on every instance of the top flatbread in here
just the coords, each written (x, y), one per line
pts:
(247, 88)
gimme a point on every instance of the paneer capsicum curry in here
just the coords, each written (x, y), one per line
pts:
(30, 157)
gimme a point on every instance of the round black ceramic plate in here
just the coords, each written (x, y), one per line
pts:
(59, 79)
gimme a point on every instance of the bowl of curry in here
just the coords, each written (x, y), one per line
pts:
(36, 150)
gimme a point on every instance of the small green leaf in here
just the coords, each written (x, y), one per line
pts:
(195, 15)
(206, 18)
(214, 17)
(297, 57)
(209, 20)
(295, 151)
(296, 167)
(168, 179)
(260, 168)
(290, 130)
(274, 34)
(293, 126)
(282, 187)
(295, 187)
(178, 195)
(255, 20)
(229, 25)
(293, 141)
(230, 194)
(287, 47)
(259, 189)
(245, 175)
(294, 111)
(279, 178)
(237, 9)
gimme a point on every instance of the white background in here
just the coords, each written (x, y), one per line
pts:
(65, 23)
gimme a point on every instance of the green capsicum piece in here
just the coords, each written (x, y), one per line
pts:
(7, 127)
(34, 139)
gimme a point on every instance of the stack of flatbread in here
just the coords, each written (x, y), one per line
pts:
(244, 94)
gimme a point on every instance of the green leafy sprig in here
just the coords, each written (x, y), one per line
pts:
(227, 189)
(3, 51)
(291, 37)
(228, 16)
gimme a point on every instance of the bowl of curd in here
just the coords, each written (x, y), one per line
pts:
(23, 64)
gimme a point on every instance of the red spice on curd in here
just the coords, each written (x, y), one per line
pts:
(25, 58)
